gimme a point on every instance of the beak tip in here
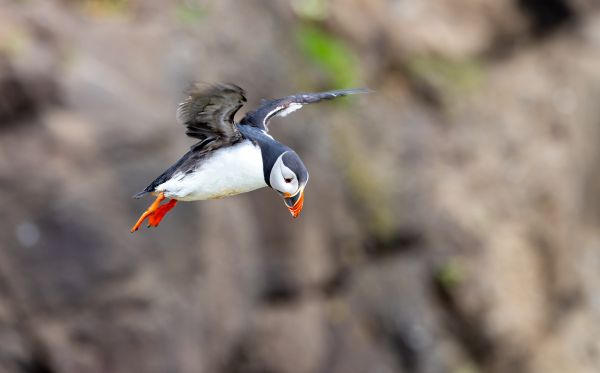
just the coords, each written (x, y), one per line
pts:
(296, 208)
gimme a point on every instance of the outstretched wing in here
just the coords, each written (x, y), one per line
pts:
(286, 105)
(208, 113)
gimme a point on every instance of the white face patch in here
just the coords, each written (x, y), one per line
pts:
(282, 178)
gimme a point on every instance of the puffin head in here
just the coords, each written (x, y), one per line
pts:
(288, 177)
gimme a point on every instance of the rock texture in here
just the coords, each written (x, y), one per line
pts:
(451, 222)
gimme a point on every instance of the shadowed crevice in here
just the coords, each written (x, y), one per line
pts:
(547, 16)
(37, 364)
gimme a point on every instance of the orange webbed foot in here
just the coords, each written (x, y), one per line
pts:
(155, 219)
(155, 213)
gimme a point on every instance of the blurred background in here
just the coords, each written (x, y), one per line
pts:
(451, 222)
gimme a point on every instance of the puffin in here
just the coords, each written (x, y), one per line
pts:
(231, 157)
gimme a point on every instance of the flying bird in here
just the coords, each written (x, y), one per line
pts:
(231, 158)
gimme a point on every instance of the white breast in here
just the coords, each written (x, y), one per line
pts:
(227, 172)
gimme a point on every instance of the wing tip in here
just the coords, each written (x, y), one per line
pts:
(197, 88)
(355, 91)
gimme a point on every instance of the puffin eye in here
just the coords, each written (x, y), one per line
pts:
(288, 180)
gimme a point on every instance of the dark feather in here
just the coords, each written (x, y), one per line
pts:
(208, 113)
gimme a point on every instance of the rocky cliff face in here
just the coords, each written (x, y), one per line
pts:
(451, 222)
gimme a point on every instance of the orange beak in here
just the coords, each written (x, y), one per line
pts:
(294, 203)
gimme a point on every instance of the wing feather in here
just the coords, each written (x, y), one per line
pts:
(287, 105)
(208, 112)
